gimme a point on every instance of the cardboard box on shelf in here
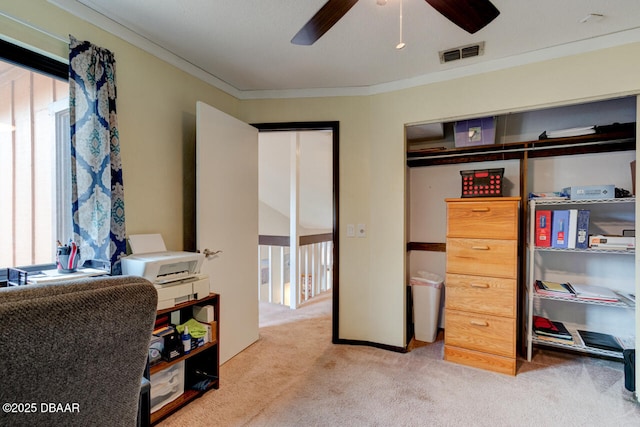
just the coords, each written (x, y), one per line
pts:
(591, 192)
(612, 242)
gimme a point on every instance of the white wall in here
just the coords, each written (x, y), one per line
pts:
(271, 222)
(316, 180)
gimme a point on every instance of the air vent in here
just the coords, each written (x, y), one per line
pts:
(468, 51)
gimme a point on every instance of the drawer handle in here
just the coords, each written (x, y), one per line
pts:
(479, 323)
(480, 248)
(480, 285)
(480, 210)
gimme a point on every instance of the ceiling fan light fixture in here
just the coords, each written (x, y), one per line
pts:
(400, 44)
(592, 17)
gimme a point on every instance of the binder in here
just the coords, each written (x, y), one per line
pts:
(573, 228)
(582, 232)
(600, 340)
(543, 228)
(560, 229)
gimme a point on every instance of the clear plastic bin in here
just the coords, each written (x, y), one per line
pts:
(167, 385)
(426, 291)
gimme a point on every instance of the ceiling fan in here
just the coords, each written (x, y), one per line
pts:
(470, 15)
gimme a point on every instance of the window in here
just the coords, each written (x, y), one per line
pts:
(35, 208)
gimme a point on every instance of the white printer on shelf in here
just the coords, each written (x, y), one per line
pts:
(175, 274)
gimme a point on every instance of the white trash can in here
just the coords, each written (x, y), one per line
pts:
(426, 289)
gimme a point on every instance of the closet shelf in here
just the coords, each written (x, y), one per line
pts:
(596, 143)
(542, 201)
(588, 250)
(620, 304)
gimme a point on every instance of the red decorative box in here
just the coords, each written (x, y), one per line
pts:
(482, 182)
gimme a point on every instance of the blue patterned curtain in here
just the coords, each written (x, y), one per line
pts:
(97, 191)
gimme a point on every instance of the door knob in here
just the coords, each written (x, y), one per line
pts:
(208, 253)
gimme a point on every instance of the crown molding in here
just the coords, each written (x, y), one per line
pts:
(101, 21)
(107, 24)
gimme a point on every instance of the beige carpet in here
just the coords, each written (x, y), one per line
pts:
(294, 376)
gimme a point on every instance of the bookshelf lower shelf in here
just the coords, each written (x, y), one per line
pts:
(201, 365)
(176, 404)
(579, 346)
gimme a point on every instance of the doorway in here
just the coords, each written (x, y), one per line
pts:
(333, 129)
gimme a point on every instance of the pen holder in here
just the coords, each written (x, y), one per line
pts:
(67, 259)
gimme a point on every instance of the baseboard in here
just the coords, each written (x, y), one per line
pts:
(372, 344)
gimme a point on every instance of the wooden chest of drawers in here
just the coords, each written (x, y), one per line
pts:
(482, 282)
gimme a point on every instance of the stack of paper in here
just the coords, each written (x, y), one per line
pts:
(54, 276)
(595, 293)
(628, 297)
(564, 133)
(548, 330)
(549, 195)
(554, 289)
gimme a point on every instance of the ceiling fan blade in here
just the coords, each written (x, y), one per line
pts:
(322, 21)
(470, 15)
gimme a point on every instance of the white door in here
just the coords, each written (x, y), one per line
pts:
(227, 221)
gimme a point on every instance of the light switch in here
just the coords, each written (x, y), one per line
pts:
(351, 231)
(361, 230)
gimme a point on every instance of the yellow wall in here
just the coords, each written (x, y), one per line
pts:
(372, 162)
(156, 115)
(156, 108)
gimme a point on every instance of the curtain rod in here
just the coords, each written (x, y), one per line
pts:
(33, 27)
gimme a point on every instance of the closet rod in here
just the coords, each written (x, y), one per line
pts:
(522, 149)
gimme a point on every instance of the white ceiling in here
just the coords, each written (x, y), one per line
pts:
(244, 46)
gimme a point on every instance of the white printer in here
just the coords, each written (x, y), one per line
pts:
(175, 274)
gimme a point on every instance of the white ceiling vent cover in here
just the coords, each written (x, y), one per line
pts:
(461, 52)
